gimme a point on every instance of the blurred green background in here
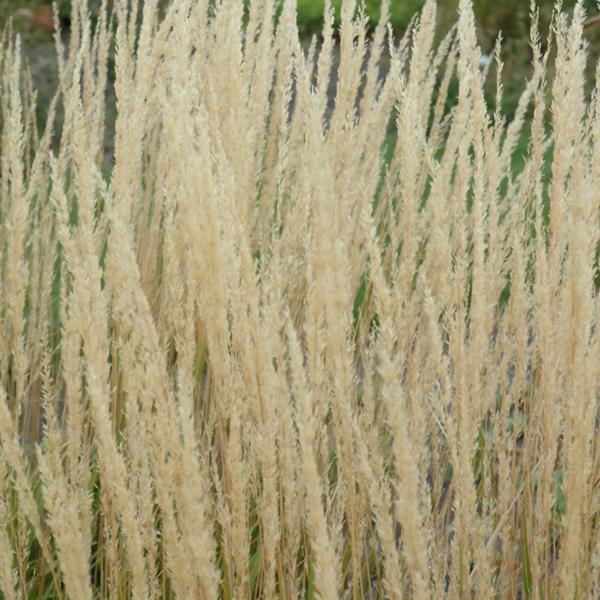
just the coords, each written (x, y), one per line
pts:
(509, 16)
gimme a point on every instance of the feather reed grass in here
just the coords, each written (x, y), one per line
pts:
(298, 344)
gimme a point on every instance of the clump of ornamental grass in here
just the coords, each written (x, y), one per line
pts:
(297, 345)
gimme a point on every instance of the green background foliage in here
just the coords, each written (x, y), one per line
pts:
(508, 16)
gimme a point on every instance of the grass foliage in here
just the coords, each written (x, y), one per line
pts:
(276, 354)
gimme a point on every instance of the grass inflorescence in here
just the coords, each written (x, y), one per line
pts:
(322, 329)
